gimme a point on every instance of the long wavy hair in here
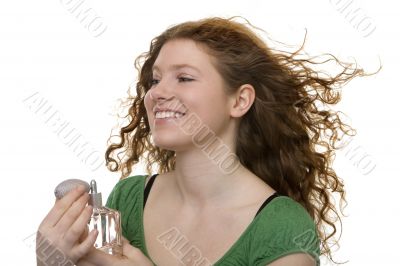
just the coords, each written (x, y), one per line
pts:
(287, 138)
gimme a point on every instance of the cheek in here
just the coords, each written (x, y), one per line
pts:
(212, 112)
(148, 104)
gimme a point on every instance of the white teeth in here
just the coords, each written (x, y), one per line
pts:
(168, 114)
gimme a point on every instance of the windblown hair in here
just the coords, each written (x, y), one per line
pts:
(281, 137)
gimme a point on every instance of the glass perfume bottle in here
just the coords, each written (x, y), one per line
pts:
(107, 221)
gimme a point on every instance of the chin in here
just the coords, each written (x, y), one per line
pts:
(170, 143)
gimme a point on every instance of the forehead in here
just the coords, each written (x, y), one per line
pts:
(182, 53)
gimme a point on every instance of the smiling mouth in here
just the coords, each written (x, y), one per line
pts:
(169, 115)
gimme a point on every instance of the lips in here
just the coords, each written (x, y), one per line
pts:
(168, 115)
(157, 109)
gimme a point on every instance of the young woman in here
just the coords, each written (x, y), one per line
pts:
(234, 127)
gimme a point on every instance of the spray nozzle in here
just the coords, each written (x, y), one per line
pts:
(95, 197)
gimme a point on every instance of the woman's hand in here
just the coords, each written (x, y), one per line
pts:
(132, 257)
(61, 238)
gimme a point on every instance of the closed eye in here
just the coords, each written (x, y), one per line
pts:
(153, 81)
(183, 79)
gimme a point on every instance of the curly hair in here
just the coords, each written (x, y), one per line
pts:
(287, 138)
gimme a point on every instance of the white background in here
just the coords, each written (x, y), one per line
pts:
(45, 49)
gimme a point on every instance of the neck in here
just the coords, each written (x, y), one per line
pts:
(202, 181)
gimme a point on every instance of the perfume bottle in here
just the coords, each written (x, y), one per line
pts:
(107, 221)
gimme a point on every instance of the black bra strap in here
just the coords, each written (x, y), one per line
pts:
(266, 202)
(147, 188)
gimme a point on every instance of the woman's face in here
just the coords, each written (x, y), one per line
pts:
(185, 81)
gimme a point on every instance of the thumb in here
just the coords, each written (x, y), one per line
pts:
(127, 248)
(131, 252)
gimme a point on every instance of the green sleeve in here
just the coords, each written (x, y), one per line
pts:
(111, 200)
(286, 229)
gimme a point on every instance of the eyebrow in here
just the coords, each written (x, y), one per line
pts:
(177, 66)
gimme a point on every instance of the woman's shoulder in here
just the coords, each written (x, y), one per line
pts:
(285, 214)
(282, 228)
(124, 189)
(283, 209)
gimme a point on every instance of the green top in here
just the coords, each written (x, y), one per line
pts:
(282, 227)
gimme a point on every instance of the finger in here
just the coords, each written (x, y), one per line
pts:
(84, 234)
(61, 206)
(99, 258)
(86, 246)
(84, 262)
(71, 215)
(79, 226)
(131, 252)
(124, 240)
(126, 246)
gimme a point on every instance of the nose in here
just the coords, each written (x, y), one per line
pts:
(160, 93)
